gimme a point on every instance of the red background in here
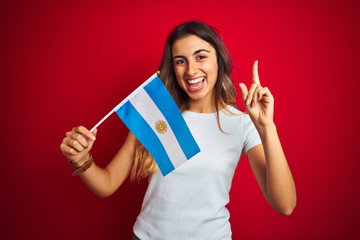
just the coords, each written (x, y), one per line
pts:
(67, 63)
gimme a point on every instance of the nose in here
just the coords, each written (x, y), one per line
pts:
(192, 68)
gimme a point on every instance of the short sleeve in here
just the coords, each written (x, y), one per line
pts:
(251, 135)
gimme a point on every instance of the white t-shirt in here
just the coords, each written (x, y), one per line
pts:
(189, 203)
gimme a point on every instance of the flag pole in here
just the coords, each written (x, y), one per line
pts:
(115, 109)
(104, 118)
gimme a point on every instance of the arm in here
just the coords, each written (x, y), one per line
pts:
(268, 160)
(102, 181)
(272, 172)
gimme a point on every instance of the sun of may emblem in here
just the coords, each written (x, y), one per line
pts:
(161, 126)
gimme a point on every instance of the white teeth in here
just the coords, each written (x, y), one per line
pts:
(193, 81)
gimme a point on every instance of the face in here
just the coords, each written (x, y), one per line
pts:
(195, 66)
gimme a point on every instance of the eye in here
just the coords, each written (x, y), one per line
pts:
(201, 57)
(180, 61)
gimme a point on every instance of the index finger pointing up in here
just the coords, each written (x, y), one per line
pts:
(255, 73)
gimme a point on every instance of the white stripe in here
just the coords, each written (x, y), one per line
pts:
(151, 113)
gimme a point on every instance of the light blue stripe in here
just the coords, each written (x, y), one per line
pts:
(144, 133)
(166, 104)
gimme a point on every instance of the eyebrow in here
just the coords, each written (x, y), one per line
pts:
(196, 52)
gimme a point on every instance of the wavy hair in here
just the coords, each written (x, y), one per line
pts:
(225, 91)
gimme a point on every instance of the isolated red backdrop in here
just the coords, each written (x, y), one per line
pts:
(67, 63)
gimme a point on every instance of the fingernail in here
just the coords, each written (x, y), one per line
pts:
(253, 104)
(248, 101)
(93, 137)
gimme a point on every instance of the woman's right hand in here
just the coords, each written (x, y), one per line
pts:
(77, 144)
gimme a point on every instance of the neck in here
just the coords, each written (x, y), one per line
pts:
(203, 106)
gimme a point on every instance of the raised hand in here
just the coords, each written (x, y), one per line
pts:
(258, 101)
(77, 144)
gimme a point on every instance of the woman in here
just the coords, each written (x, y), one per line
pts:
(190, 202)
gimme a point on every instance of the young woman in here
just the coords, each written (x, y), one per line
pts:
(189, 203)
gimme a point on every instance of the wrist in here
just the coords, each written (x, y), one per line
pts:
(85, 166)
(267, 133)
(81, 162)
(265, 127)
(84, 159)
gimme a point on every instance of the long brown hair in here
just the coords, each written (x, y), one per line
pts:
(225, 92)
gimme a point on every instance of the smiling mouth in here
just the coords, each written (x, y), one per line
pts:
(196, 84)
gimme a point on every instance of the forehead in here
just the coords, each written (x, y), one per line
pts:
(187, 45)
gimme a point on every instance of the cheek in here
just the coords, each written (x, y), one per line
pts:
(212, 69)
(178, 74)
(210, 65)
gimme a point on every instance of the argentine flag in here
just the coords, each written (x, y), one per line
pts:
(152, 115)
